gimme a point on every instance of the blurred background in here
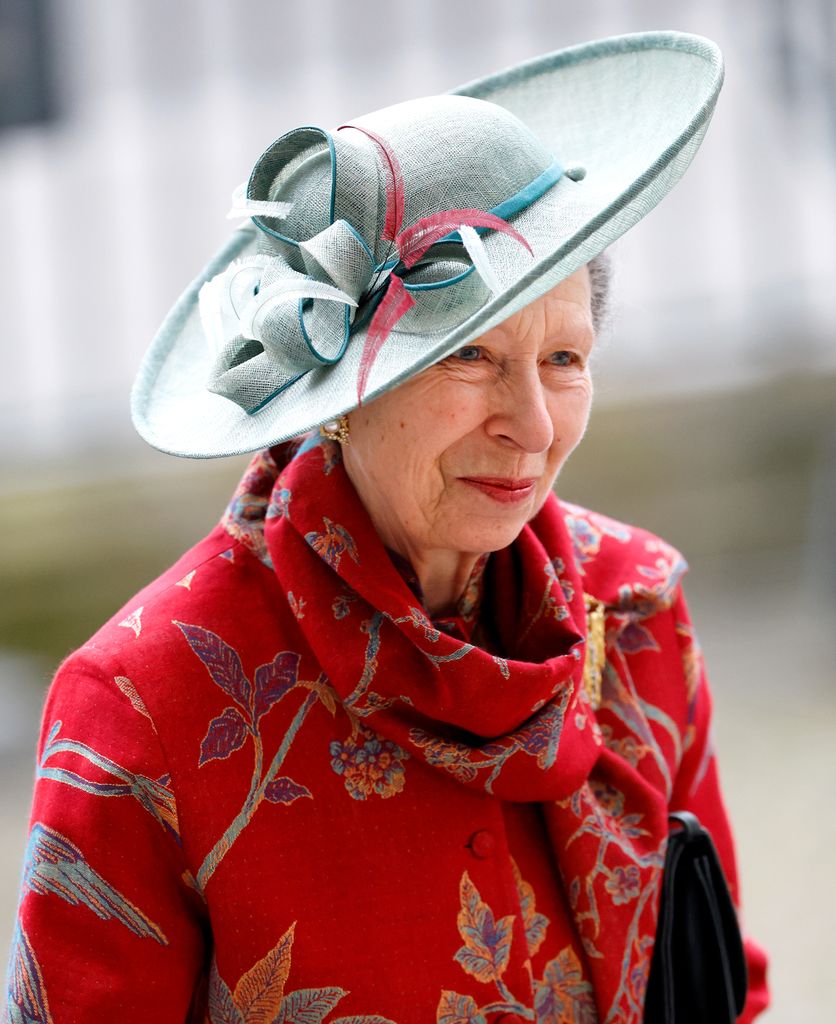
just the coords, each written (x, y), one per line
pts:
(124, 127)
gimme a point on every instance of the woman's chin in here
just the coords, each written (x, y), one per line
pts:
(486, 534)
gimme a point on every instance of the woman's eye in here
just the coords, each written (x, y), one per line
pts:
(469, 353)
(561, 358)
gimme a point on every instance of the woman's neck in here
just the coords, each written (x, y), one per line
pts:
(443, 576)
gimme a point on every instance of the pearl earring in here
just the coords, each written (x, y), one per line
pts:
(336, 430)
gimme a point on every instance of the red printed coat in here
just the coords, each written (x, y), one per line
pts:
(272, 790)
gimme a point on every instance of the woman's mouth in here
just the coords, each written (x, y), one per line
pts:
(506, 490)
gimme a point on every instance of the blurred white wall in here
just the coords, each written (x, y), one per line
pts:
(111, 208)
(108, 210)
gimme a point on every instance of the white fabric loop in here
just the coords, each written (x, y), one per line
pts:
(479, 255)
(260, 305)
(244, 207)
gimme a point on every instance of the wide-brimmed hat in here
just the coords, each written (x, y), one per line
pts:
(370, 252)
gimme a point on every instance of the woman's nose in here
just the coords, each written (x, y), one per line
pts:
(521, 415)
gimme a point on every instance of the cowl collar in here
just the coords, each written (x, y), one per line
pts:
(520, 727)
(497, 722)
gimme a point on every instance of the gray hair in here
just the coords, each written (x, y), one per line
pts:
(600, 277)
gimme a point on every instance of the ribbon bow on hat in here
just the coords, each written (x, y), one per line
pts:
(273, 316)
(245, 309)
(293, 289)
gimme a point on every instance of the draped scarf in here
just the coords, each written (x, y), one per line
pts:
(518, 724)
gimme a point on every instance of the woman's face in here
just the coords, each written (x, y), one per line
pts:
(461, 456)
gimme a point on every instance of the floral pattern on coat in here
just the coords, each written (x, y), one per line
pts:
(284, 687)
(369, 765)
(562, 996)
(260, 997)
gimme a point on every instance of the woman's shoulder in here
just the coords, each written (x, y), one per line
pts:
(219, 574)
(626, 567)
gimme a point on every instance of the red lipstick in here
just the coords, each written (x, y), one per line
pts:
(506, 490)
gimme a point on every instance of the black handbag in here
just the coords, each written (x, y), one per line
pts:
(698, 971)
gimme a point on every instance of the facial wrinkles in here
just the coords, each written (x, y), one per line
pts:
(399, 521)
(466, 419)
(521, 341)
(548, 325)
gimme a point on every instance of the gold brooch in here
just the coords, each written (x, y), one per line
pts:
(596, 653)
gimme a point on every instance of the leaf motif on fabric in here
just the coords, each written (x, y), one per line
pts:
(156, 797)
(134, 621)
(535, 924)
(463, 772)
(629, 826)
(454, 1008)
(635, 637)
(274, 680)
(639, 975)
(258, 994)
(502, 665)
(28, 1003)
(492, 750)
(153, 795)
(564, 996)
(323, 689)
(226, 734)
(53, 864)
(308, 1005)
(222, 1008)
(586, 540)
(186, 582)
(279, 503)
(487, 947)
(363, 1018)
(284, 791)
(606, 797)
(641, 599)
(541, 737)
(131, 692)
(188, 879)
(574, 893)
(221, 661)
(341, 605)
(692, 664)
(332, 543)
(297, 604)
(453, 757)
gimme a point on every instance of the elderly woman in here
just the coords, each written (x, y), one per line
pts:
(399, 739)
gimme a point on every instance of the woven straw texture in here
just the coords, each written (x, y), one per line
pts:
(631, 111)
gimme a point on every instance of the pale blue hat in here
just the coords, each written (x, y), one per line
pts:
(414, 230)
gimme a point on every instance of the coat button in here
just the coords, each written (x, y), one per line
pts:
(482, 844)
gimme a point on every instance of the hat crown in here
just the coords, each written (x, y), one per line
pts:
(501, 191)
(454, 152)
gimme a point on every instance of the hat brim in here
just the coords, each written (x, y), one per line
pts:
(631, 110)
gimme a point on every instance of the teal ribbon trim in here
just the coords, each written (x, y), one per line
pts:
(305, 304)
(522, 199)
(278, 391)
(432, 285)
(529, 193)
(514, 204)
(329, 141)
